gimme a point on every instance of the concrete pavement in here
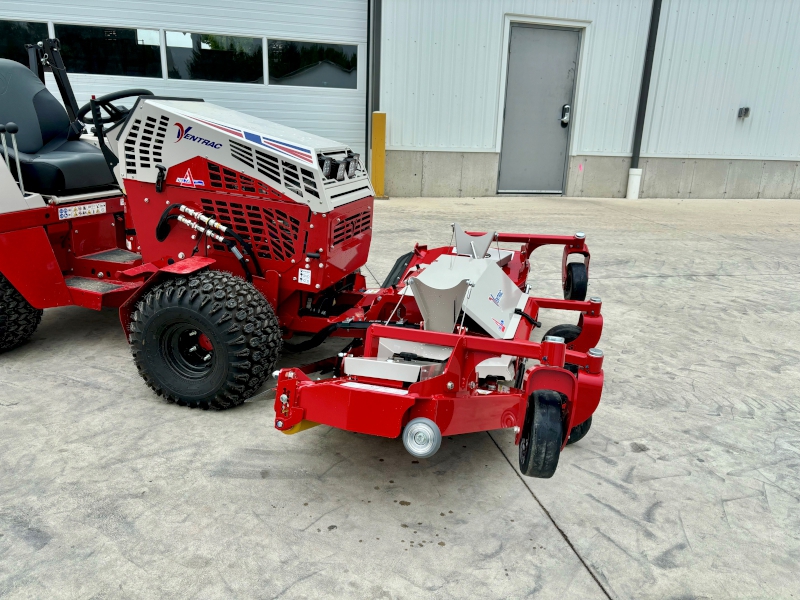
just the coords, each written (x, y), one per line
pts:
(687, 485)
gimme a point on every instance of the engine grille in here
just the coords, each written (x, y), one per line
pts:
(352, 226)
(144, 143)
(273, 233)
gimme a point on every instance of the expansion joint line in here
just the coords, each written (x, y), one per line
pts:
(552, 520)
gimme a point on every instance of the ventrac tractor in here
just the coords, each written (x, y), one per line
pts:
(220, 237)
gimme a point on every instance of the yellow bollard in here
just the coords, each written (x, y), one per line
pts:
(378, 162)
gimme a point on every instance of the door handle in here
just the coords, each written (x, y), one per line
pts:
(565, 112)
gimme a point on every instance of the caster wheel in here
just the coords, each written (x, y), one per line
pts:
(577, 282)
(422, 437)
(542, 434)
(579, 431)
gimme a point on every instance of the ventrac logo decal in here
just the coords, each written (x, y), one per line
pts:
(496, 297)
(184, 134)
(501, 325)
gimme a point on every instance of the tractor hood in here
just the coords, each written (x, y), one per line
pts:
(168, 132)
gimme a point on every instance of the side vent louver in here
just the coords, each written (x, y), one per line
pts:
(130, 147)
(291, 178)
(144, 143)
(268, 166)
(242, 153)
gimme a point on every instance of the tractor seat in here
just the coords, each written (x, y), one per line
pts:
(52, 159)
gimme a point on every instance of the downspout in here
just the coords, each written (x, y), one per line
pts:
(635, 173)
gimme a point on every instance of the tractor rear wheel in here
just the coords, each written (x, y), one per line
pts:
(579, 431)
(18, 319)
(208, 340)
(542, 434)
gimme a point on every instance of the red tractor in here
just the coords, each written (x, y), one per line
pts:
(218, 236)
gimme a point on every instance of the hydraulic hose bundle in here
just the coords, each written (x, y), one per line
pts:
(210, 228)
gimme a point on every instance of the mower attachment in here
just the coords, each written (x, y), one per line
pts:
(470, 366)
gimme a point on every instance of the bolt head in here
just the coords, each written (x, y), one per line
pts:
(284, 398)
(317, 286)
(321, 266)
(290, 375)
(181, 255)
(147, 200)
(450, 385)
(279, 424)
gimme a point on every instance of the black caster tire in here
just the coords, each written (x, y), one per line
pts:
(570, 333)
(579, 431)
(577, 282)
(18, 319)
(542, 434)
(209, 340)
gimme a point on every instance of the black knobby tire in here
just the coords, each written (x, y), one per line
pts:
(577, 282)
(238, 340)
(18, 319)
(579, 431)
(542, 435)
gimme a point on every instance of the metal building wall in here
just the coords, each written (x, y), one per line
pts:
(714, 56)
(335, 113)
(441, 71)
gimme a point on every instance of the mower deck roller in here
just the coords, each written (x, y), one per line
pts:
(219, 236)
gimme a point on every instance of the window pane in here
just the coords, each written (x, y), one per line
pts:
(308, 63)
(110, 50)
(214, 57)
(15, 34)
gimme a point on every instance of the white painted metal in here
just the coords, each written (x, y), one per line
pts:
(335, 113)
(443, 75)
(11, 199)
(443, 70)
(170, 132)
(713, 57)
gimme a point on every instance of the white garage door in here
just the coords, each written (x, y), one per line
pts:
(301, 63)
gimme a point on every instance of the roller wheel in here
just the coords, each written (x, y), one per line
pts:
(577, 282)
(542, 434)
(209, 340)
(18, 319)
(579, 431)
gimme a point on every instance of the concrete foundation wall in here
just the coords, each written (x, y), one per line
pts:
(607, 177)
(474, 174)
(441, 174)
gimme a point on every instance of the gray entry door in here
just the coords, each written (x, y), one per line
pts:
(538, 114)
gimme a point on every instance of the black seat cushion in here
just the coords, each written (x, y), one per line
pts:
(51, 161)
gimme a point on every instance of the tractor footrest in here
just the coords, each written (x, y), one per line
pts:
(94, 285)
(97, 293)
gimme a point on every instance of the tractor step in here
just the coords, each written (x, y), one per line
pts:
(94, 285)
(115, 255)
(99, 293)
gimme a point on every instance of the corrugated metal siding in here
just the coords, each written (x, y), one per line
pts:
(713, 57)
(441, 71)
(337, 114)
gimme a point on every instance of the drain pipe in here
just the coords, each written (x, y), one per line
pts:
(635, 173)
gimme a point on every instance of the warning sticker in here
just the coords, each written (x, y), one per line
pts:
(85, 210)
(304, 276)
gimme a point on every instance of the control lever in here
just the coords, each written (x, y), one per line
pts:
(13, 128)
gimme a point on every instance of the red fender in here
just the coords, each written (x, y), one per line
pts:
(154, 275)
